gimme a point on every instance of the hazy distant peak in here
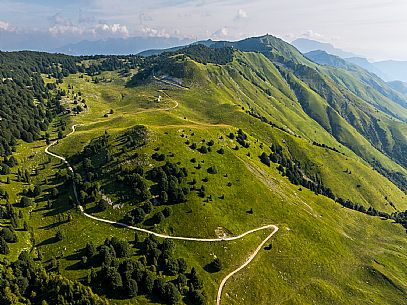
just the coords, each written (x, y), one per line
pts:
(305, 45)
(120, 46)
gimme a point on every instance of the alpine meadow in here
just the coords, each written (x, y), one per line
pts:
(217, 172)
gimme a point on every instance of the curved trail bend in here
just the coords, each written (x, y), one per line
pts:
(220, 239)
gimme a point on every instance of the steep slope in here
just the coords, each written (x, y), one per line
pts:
(357, 75)
(272, 47)
(357, 100)
(273, 95)
(351, 95)
(326, 59)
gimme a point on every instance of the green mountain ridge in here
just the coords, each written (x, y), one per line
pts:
(350, 96)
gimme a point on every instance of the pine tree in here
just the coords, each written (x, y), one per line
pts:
(4, 249)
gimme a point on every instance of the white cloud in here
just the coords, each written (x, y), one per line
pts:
(241, 13)
(312, 35)
(114, 28)
(61, 25)
(63, 29)
(4, 26)
(221, 33)
(152, 32)
(64, 26)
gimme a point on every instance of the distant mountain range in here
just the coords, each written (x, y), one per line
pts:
(121, 46)
(40, 41)
(399, 86)
(307, 45)
(367, 65)
(159, 51)
(390, 70)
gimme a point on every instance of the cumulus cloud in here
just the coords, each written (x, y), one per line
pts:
(4, 26)
(61, 25)
(62, 29)
(152, 32)
(113, 28)
(86, 26)
(101, 28)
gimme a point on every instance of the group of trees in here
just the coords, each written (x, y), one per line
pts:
(262, 118)
(171, 183)
(116, 273)
(397, 178)
(8, 234)
(326, 146)
(137, 186)
(401, 218)
(111, 63)
(292, 169)
(7, 164)
(97, 149)
(175, 63)
(171, 187)
(204, 149)
(241, 138)
(23, 176)
(398, 217)
(26, 282)
(159, 64)
(26, 105)
(205, 55)
(136, 136)
(132, 182)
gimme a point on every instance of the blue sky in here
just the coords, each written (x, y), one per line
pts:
(375, 28)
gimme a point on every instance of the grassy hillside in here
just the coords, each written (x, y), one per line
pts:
(355, 95)
(216, 122)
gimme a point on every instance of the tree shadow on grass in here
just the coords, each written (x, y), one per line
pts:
(75, 256)
(49, 241)
(76, 266)
(53, 225)
(150, 222)
(92, 210)
(210, 268)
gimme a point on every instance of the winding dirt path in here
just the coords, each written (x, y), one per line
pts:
(248, 261)
(219, 239)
